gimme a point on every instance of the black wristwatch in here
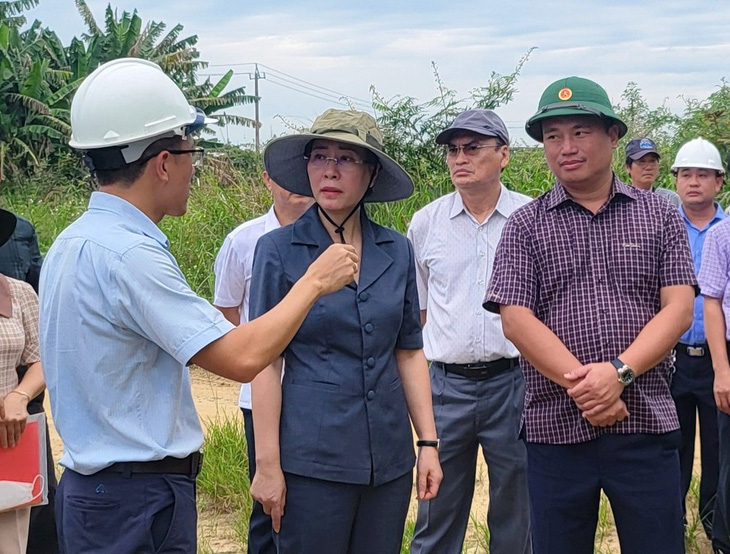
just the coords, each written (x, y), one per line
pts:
(432, 444)
(626, 375)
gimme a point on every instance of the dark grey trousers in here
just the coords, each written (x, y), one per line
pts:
(470, 414)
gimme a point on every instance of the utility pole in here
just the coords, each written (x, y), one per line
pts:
(256, 76)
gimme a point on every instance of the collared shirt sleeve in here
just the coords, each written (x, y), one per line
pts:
(415, 235)
(153, 298)
(230, 277)
(713, 277)
(677, 267)
(514, 279)
(410, 335)
(269, 284)
(28, 301)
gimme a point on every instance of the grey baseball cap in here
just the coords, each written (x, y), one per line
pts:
(639, 147)
(481, 122)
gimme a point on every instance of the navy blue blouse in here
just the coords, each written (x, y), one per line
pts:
(344, 415)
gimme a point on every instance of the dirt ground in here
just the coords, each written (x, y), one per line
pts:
(215, 396)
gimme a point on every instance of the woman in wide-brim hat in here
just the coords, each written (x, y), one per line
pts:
(334, 446)
(18, 346)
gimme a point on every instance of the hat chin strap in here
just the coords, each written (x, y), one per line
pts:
(340, 229)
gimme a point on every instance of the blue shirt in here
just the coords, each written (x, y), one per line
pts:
(119, 323)
(343, 410)
(696, 333)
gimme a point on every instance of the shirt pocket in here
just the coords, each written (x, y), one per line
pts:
(634, 265)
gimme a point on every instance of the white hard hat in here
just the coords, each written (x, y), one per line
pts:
(129, 103)
(699, 153)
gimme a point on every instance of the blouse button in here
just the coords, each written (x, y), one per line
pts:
(369, 328)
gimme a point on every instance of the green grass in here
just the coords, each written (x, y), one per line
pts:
(223, 480)
(223, 484)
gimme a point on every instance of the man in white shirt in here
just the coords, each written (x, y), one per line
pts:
(477, 385)
(232, 285)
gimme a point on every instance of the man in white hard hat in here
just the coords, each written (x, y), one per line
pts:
(699, 175)
(119, 323)
(642, 165)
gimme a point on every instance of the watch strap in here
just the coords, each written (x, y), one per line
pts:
(432, 444)
(618, 364)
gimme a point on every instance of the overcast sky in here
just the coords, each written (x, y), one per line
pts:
(671, 49)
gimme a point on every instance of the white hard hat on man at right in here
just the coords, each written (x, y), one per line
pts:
(699, 153)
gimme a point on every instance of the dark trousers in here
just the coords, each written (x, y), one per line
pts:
(721, 516)
(639, 474)
(721, 520)
(471, 414)
(42, 536)
(326, 517)
(260, 534)
(692, 393)
(116, 514)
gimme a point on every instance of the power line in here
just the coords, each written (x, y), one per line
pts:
(312, 89)
(315, 85)
(322, 93)
(231, 64)
(286, 77)
(271, 80)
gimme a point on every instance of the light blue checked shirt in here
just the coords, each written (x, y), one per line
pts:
(696, 333)
(119, 323)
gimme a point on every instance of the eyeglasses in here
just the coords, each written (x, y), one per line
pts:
(196, 155)
(345, 162)
(470, 150)
(648, 161)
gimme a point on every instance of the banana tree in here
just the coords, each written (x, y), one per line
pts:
(33, 97)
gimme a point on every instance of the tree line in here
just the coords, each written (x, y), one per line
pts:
(39, 74)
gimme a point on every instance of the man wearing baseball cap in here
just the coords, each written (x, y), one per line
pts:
(475, 376)
(642, 165)
(595, 284)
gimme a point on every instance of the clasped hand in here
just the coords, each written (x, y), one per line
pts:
(597, 393)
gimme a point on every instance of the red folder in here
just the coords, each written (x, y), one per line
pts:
(27, 460)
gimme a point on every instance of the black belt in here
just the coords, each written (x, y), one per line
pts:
(189, 465)
(479, 371)
(693, 350)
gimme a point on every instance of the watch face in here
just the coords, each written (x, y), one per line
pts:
(626, 375)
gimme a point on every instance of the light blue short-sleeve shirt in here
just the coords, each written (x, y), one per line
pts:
(119, 323)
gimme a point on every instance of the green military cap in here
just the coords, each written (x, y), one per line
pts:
(572, 96)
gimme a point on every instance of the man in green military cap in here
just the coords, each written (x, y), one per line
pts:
(594, 281)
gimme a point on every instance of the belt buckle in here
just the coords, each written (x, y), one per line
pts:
(479, 374)
(695, 351)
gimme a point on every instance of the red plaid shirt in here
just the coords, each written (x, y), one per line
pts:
(594, 280)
